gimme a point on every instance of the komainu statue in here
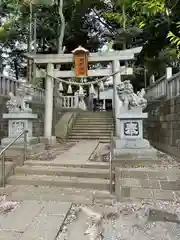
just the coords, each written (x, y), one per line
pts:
(130, 100)
(19, 102)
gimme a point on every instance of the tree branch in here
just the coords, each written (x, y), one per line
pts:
(110, 28)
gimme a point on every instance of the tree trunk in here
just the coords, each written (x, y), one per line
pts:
(16, 69)
(29, 64)
(60, 39)
(1, 63)
(62, 28)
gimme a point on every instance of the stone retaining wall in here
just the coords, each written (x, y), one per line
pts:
(163, 125)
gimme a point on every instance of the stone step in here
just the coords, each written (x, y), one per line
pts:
(136, 163)
(103, 118)
(104, 140)
(75, 137)
(147, 173)
(97, 131)
(78, 140)
(92, 124)
(96, 113)
(63, 171)
(98, 134)
(94, 127)
(91, 131)
(154, 173)
(56, 181)
(94, 120)
(90, 136)
(76, 196)
(74, 165)
(95, 117)
(134, 193)
(89, 120)
(139, 183)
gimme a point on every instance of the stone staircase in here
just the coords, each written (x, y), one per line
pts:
(75, 174)
(92, 176)
(92, 126)
(70, 169)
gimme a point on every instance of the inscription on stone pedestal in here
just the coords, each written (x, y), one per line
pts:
(17, 127)
(131, 128)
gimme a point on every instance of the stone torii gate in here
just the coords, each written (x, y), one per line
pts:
(51, 73)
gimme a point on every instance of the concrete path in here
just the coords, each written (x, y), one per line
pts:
(79, 153)
(33, 220)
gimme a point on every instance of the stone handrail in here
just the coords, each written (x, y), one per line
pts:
(9, 84)
(164, 87)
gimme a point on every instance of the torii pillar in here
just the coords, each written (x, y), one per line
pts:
(116, 81)
(48, 118)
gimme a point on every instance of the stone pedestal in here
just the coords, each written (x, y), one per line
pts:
(17, 123)
(130, 143)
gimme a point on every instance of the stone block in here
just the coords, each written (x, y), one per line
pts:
(158, 175)
(44, 140)
(170, 185)
(141, 193)
(165, 195)
(173, 175)
(151, 184)
(124, 174)
(128, 182)
(18, 142)
(138, 174)
(136, 153)
(125, 192)
(133, 193)
(132, 144)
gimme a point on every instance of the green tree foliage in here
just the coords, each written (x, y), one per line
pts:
(153, 24)
(81, 27)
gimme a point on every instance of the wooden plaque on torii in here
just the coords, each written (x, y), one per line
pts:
(81, 61)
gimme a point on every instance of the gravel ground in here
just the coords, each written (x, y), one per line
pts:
(51, 153)
(168, 162)
(137, 220)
